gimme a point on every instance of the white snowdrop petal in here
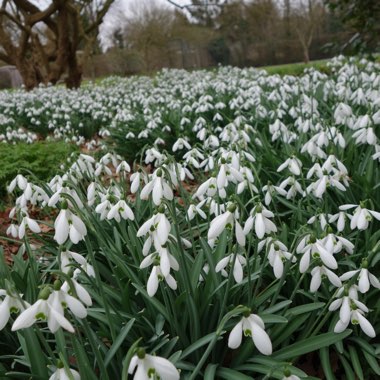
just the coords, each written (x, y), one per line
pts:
(76, 306)
(61, 226)
(240, 237)
(341, 326)
(165, 369)
(218, 225)
(316, 281)
(261, 340)
(222, 264)
(238, 271)
(152, 284)
(278, 267)
(259, 226)
(366, 326)
(235, 337)
(363, 283)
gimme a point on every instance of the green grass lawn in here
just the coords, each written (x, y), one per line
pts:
(40, 158)
(296, 68)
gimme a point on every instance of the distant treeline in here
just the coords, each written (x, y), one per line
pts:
(241, 33)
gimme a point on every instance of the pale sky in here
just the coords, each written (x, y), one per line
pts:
(112, 20)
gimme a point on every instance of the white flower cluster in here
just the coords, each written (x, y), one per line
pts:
(261, 179)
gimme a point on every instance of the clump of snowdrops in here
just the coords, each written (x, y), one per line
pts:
(245, 249)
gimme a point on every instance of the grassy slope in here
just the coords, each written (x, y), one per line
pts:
(41, 158)
(295, 68)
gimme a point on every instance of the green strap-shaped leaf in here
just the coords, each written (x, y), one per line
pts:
(310, 344)
(118, 341)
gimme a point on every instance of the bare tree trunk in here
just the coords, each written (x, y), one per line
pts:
(74, 75)
(27, 73)
(47, 59)
(306, 57)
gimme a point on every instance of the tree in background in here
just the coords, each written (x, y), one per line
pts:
(43, 43)
(147, 29)
(264, 27)
(306, 18)
(204, 12)
(230, 46)
(363, 17)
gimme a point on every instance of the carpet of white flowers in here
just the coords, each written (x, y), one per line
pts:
(226, 226)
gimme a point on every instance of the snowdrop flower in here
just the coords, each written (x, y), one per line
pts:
(320, 272)
(80, 291)
(209, 188)
(295, 187)
(67, 225)
(57, 197)
(10, 304)
(68, 257)
(91, 193)
(104, 206)
(319, 187)
(123, 166)
(212, 141)
(260, 218)
(110, 158)
(163, 259)
(342, 113)
(247, 182)
(12, 230)
(309, 247)
(322, 220)
(335, 243)
(43, 310)
(226, 219)
(227, 173)
(238, 263)
(361, 217)
(155, 277)
(120, 210)
(158, 187)
(102, 168)
(61, 374)
(365, 135)
(208, 164)
(39, 195)
(218, 224)
(20, 181)
(196, 209)
(180, 144)
(333, 165)
(158, 226)
(340, 218)
(149, 366)
(152, 155)
(365, 278)
(271, 190)
(349, 298)
(251, 325)
(293, 164)
(277, 255)
(356, 316)
(135, 181)
(32, 224)
(159, 141)
(313, 150)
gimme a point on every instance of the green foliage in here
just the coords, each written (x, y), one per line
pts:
(296, 69)
(219, 50)
(190, 325)
(41, 158)
(363, 17)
